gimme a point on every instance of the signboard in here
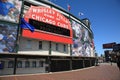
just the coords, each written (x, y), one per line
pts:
(10, 10)
(49, 25)
(47, 15)
(108, 45)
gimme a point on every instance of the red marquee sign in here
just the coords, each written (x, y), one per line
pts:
(49, 16)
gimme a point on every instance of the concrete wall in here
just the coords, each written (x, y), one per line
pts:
(31, 46)
(23, 70)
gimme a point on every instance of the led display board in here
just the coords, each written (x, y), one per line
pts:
(108, 45)
(49, 28)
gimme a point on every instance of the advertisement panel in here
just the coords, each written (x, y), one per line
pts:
(49, 25)
(82, 42)
(8, 35)
(10, 10)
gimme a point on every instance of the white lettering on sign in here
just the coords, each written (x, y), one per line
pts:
(61, 17)
(43, 10)
(63, 25)
(43, 19)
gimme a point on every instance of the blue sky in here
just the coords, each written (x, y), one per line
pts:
(104, 16)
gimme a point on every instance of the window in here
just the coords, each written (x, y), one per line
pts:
(27, 64)
(19, 64)
(10, 64)
(56, 46)
(64, 48)
(40, 44)
(29, 46)
(41, 63)
(34, 64)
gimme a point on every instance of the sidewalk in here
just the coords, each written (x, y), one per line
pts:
(102, 72)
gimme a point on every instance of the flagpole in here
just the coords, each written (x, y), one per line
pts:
(68, 7)
(19, 29)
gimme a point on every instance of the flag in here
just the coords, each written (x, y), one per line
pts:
(68, 6)
(80, 14)
(26, 25)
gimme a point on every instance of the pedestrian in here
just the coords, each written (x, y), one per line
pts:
(97, 62)
(118, 61)
(111, 60)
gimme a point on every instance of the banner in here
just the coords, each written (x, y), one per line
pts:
(26, 25)
(82, 42)
(10, 10)
(8, 35)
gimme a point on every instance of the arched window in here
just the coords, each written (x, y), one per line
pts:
(27, 64)
(34, 64)
(19, 64)
(10, 64)
(41, 63)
